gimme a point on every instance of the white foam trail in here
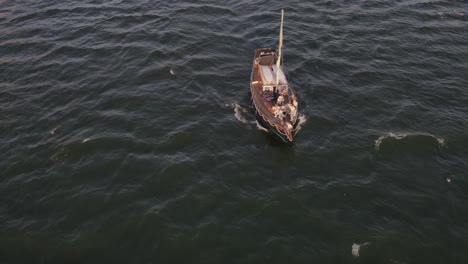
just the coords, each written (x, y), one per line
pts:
(302, 121)
(260, 127)
(85, 140)
(388, 135)
(239, 113)
(356, 247)
(172, 72)
(441, 142)
(378, 141)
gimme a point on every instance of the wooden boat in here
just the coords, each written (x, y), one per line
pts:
(276, 105)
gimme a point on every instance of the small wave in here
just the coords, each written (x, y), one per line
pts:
(441, 142)
(240, 112)
(390, 135)
(355, 248)
(302, 121)
(260, 127)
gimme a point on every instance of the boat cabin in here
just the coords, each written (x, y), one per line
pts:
(268, 71)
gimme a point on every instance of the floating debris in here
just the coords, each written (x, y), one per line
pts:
(355, 249)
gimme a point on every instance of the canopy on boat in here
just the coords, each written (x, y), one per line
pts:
(269, 74)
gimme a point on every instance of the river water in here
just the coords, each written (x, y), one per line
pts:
(127, 134)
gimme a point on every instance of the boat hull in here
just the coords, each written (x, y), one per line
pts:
(265, 96)
(276, 105)
(273, 130)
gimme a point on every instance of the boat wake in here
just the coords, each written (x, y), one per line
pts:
(422, 138)
(302, 121)
(355, 248)
(240, 113)
(260, 127)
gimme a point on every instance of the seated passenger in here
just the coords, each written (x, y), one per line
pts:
(292, 112)
(275, 110)
(283, 112)
(280, 100)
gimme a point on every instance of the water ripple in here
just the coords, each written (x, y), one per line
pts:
(126, 127)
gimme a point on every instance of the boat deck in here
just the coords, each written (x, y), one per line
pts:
(265, 76)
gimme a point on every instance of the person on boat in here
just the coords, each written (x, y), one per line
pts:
(275, 110)
(287, 109)
(279, 113)
(280, 100)
(294, 100)
(284, 91)
(283, 112)
(289, 126)
(292, 112)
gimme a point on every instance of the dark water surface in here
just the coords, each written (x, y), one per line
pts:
(127, 136)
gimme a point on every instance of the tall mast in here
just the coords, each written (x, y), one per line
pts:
(280, 48)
